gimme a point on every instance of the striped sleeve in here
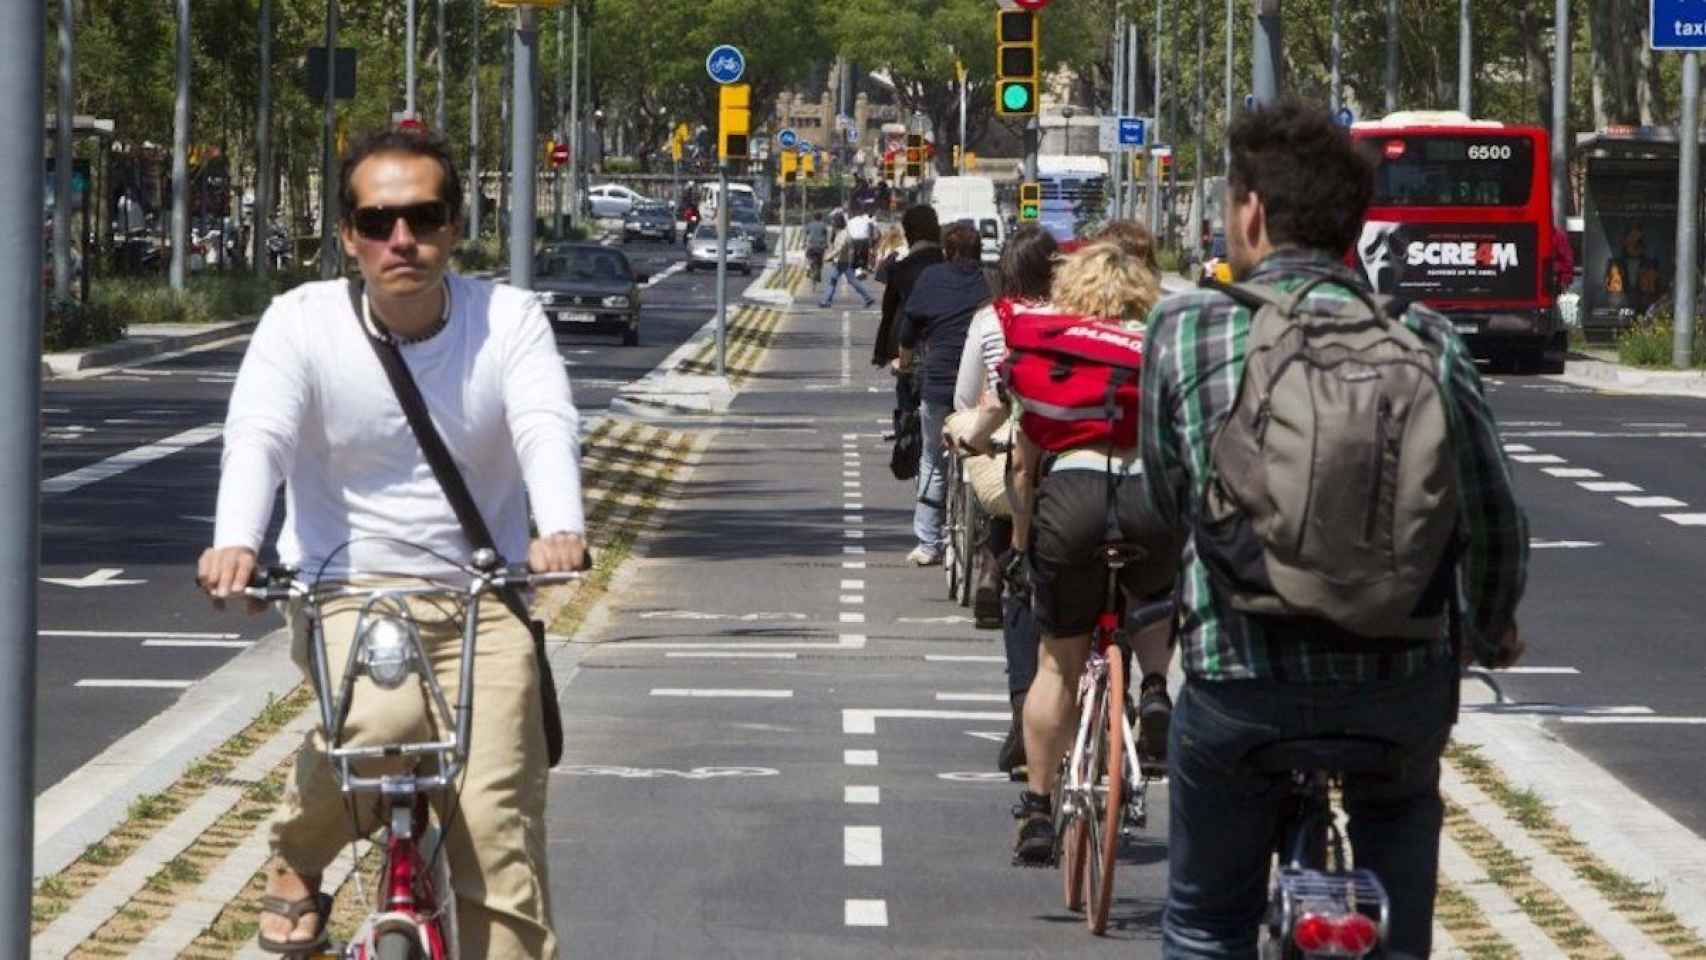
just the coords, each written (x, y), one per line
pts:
(1157, 440)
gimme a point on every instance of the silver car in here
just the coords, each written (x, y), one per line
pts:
(702, 251)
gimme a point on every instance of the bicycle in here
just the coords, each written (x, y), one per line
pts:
(416, 920)
(1316, 906)
(959, 529)
(1102, 791)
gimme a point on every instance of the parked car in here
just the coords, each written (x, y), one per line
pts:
(587, 288)
(703, 249)
(651, 220)
(612, 200)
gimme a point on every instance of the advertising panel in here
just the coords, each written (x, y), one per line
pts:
(1450, 261)
(1630, 240)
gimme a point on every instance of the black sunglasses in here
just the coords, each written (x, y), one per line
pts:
(377, 223)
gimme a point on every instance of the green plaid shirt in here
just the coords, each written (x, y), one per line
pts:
(1193, 363)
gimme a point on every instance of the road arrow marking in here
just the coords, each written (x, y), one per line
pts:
(104, 577)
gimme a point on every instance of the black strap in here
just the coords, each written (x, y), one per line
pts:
(462, 503)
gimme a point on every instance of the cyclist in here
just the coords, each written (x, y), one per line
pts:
(817, 241)
(1295, 195)
(313, 408)
(1026, 274)
(924, 249)
(1062, 504)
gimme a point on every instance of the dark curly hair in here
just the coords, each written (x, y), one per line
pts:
(1314, 181)
(415, 143)
(962, 242)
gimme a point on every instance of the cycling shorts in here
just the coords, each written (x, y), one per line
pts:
(1068, 579)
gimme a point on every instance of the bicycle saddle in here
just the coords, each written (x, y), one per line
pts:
(1333, 755)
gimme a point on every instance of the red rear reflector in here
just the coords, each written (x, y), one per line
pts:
(1357, 934)
(1312, 933)
(1394, 149)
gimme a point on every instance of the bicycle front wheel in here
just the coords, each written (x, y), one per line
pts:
(1109, 797)
(397, 945)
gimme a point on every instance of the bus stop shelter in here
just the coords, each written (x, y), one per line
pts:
(1629, 211)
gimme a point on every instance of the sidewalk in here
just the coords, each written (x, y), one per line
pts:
(1582, 370)
(143, 340)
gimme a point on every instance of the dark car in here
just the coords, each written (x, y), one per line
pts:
(587, 288)
(744, 222)
(651, 220)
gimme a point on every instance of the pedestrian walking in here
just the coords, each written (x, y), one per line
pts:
(840, 257)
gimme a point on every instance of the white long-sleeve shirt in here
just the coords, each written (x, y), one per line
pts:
(312, 407)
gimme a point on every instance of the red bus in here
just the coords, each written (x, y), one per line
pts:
(1462, 221)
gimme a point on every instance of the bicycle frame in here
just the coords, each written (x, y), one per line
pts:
(1303, 881)
(416, 894)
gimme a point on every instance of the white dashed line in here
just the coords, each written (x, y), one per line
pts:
(852, 584)
(852, 599)
(853, 551)
(1518, 448)
(859, 758)
(131, 459)
(1647, 503)
(852, 564)
(862, 846)
(137, 684)
(1539, 671)
(1687, 519)
(963, 658)
(861, 795)
(1571, 473)
(1649, 721)
(855, 436)
(1608, 486)
(973, 697)
(864, 721)
(852, 518)
(867, 913)
(204, 644)
(1562, 544)
(724, 694)
(860, 534)
(852, 617)
(729, 655)
(1536, 458)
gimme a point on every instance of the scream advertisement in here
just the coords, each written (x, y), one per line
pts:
(1450, 261)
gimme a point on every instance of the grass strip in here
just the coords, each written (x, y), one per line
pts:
(1641, 904)
(1468, 926)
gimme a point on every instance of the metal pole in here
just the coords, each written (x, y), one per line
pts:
(476, 193)
(1687, 215)
(263, 149)
(723, 262)
(22, 27)
(1231, 39)
(1155, 181)
(1132, 68)
(1116, 106)
(1202, 110)
(1561, 111)
(782, 240)
(1465, 60)
(962, 118)
(328, 131)
(557, 126)
(409, 63)
(1265, 52)
(64, 159)
(575, 113)
(1391, 55)
(181, 153)
(438, 122)
(1338, 52)
(524, 133)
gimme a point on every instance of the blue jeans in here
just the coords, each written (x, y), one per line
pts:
(836, 272)
(932, 476)
(1225, 816)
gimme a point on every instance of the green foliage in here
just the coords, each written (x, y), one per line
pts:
(1649, 343)
(68, 324)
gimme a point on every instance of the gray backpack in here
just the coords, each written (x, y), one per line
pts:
(1332, 488)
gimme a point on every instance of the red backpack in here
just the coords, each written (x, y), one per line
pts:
(1076, 378)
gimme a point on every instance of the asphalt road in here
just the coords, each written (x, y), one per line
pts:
(131, 463)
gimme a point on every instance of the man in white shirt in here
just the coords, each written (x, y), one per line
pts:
(312, 407)
(861, 230)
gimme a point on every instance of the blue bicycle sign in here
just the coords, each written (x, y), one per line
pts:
(788, 139)
(726, 64)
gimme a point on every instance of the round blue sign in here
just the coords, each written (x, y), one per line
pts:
(1249, 101)
(1345, 117)
(788, 138)
(726, 64)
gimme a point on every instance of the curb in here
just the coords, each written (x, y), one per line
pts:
(138, 344)
(88, 803)
(1604, 375)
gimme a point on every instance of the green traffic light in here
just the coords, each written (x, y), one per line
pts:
(1016, 96)
(1028, 212)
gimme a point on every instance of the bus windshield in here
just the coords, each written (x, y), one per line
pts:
(1453, 171)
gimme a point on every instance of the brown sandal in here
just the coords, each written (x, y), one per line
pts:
(292, 910)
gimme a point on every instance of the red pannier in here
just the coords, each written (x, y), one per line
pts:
(1076, 378)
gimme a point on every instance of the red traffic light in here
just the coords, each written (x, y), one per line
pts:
(412, 124)
(1032, 4)
(559, 154)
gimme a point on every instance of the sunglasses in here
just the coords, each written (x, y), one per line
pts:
(378, 223)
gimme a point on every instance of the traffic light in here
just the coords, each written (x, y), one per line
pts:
(734, 117)
(790, 163)
(915, 155)
(1030, 202)
(1016, 67)
(1164, 166)
(808, 164)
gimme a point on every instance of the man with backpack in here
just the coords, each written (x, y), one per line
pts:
(817, 241)
(1339, 475)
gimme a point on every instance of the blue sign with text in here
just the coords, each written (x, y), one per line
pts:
(1677, 24)
(1132, 131)
(726, 64)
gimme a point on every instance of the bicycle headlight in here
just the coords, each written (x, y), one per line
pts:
(388, 650)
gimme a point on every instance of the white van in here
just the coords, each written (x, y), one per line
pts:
(972, 200)
(709, 198)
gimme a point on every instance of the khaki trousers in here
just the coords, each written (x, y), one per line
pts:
(496, 845)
